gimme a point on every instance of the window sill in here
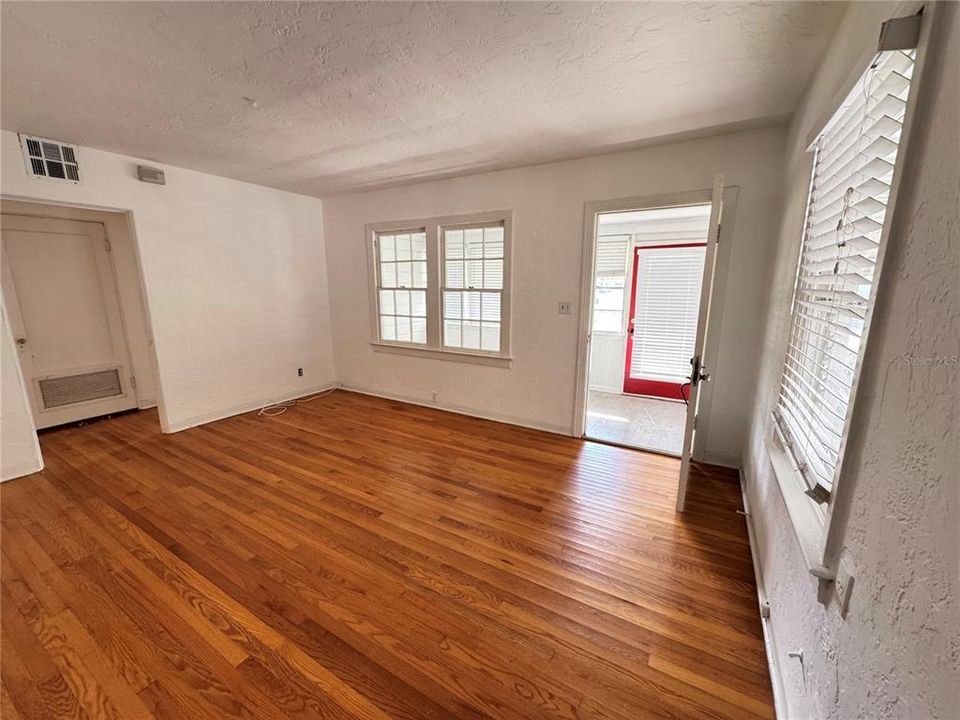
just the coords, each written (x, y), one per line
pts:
(806, 517)
(489, 360)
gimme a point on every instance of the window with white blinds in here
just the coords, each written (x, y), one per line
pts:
(610, 280)
(442, 284)
(853, 172)
(473, 287)
(402, 286)
(667, 302)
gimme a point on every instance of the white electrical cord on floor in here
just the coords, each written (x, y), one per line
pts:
(280, 407)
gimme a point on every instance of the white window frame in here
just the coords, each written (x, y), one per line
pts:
(378, 261)
(820, 529)
(627, 277)
(433, 227)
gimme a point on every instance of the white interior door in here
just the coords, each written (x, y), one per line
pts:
(699, 372)
(60, 293)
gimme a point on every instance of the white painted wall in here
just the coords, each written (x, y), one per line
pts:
(19, 449)
(896, 654)
(234, 278)
(548, 201)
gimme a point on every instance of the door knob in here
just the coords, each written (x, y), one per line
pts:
(699, 373)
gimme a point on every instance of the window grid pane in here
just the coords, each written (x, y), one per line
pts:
(402, 286)
(472, 287)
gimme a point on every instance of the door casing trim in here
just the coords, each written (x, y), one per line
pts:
(650, 202)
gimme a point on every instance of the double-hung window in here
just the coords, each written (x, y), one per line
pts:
(609, 289)
(442, 284)
(850, 191)
(402, 285)
(473, 286)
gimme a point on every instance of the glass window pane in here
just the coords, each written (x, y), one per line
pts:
(493, 274)
(490, 309)
(454, 278)
(403, 329)
(419, 330)
(387, 246)
(607, 321)
(473, 242)
(418, 303)
(451, 333)
(403, 247)
(420, 274)
(418, 246)
(608, 299)
(490, 337)
(471, 305)
(403, 302)
(474, 273)
(388, 274)
(471, 335)
(493, 242)
(388, 328)
(454, 243)
(404, 274)
(386, 302)
(452, 305)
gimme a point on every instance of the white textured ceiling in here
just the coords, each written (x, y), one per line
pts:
(327, 97)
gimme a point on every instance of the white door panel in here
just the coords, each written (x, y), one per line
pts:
(699, 371)
(65, 314)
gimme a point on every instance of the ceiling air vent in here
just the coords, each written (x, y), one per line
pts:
(50, 159)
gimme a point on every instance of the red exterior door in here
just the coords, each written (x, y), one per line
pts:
(636, 384)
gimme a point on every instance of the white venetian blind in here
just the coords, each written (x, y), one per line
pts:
(473, 287)
(612, 255)
(855, 159)
(665, 315)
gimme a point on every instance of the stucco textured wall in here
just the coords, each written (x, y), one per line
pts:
(896, 654)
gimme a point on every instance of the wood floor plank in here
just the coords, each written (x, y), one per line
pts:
(357, 557)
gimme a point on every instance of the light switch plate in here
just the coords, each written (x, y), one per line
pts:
(844, 588)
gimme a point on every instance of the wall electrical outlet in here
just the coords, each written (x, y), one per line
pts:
(565, 307)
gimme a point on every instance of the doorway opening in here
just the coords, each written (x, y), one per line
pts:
(74, 303)
(647, 281)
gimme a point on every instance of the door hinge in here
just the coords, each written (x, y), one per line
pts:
(133, 382)
(695, 418)
(719, 225)
(106, 241)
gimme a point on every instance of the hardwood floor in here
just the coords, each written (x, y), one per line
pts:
(357, 557)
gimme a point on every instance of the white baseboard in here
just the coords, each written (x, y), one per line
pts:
(769, 640)
(246, 407)
(16, 471)
(461, 410)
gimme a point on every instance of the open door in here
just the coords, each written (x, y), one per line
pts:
(698, 363)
